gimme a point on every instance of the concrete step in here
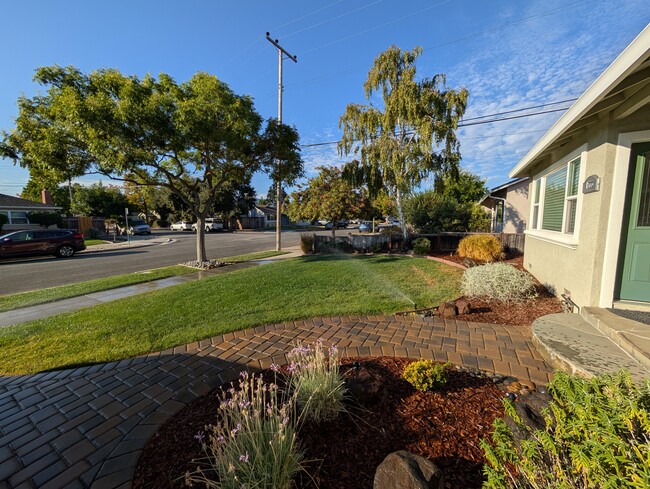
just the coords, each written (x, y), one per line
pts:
(631, 336)
(632, 305)
(570, 343)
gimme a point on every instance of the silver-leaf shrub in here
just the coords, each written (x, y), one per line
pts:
(498, 281)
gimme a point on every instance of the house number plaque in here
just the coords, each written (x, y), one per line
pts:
(591, 184)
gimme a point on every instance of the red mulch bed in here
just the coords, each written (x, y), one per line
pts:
(444, 426)
(497, 312)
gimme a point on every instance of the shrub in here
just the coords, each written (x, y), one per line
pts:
(424, 375)
(3, 220)
(421, 246)
(481, 247)
(316, 382)
(597, 435)
(307, 243)
(498, 281)
(94, 233)
(45, 219)
(390, 230)
(254, 444)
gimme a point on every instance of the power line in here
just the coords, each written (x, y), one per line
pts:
(465, 124)
(522, 109)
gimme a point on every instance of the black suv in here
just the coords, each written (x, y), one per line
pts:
(58, 242)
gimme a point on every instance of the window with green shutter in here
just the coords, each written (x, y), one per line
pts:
(554, 196)
(555, 199)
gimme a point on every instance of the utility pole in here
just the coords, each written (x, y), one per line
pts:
(278, 189)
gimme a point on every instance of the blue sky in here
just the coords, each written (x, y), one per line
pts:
(509, 54)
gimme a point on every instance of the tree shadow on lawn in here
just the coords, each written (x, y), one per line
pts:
(349, 256)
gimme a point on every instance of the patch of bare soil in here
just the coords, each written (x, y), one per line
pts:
(444, 425)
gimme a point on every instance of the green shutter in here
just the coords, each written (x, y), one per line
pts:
(574, 176)
(554, 195)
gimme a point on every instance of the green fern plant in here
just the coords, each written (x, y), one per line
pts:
(597, 436)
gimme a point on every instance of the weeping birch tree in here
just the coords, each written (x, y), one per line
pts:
(409, 137)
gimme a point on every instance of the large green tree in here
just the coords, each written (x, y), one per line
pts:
(326, 196)
(411, 136)
(191, 138)
(99, 200)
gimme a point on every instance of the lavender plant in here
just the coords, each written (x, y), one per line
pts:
(254, 444)
(316, 382)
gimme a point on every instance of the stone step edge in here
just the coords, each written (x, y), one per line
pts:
(592, 316)
(557, 360)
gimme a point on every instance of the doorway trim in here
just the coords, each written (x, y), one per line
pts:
(616, 208)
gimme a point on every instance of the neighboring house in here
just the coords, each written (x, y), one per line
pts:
(508, 205)
(588, 232)
(17, 211)
(268, 213)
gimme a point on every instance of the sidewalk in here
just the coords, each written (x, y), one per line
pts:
(40, 311)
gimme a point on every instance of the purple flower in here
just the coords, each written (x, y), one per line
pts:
(199, 436)
(293, 367)
(275, 367)
(244, 458)
(236, 429)
(243, 374)
(221, 440)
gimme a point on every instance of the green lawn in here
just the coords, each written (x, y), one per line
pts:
(283, 291)
(95, 242)
(51, 294)
(43, 296)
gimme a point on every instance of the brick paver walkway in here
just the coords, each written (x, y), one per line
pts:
(87, 427)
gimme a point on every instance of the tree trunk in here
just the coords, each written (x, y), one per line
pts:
(200, 240)
(400, 212)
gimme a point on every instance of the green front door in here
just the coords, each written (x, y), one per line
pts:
(634, 279)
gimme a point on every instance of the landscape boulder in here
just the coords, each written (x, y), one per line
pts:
(405, 470)
(448, 309)
(364, 387)
(463, 306)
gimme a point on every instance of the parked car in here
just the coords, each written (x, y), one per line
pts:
(210, 224)
(339, 225)
(181, 226)
(58, 242)
(365, 227)
(135, 226)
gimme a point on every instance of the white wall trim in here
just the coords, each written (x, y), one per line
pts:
(616, 208)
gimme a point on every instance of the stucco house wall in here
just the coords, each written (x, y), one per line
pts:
(576, 266)
(516, 208)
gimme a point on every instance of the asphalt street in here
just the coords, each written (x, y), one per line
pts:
(20, 275)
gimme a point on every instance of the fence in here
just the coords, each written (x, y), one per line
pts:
(358, 242)
(246, 222)
(449, 241)
(444, 242)
(84, 224)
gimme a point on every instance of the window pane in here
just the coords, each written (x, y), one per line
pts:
(644, 202)
(554, 200)
(17, 217)
(535, 215)
(536, 192)
(572, 205)
(574, 176)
